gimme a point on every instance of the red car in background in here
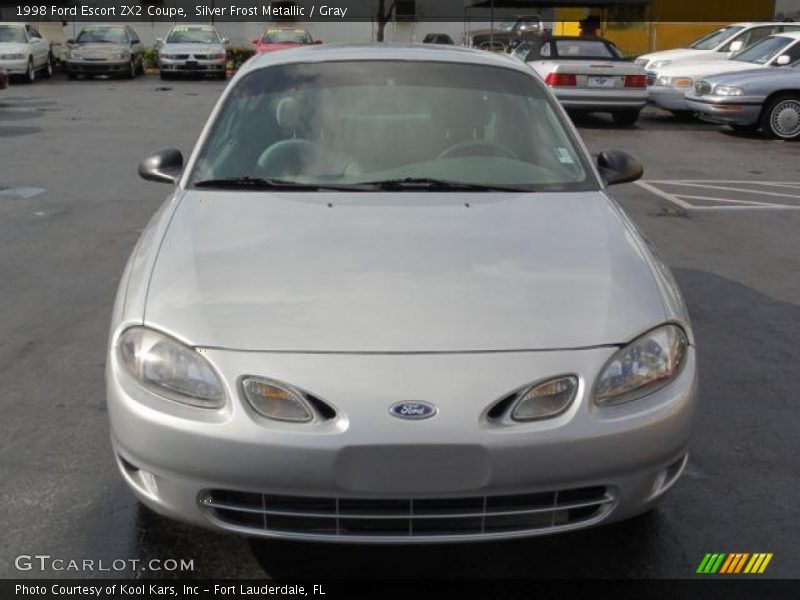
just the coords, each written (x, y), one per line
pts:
(282, 38)
(3, 79)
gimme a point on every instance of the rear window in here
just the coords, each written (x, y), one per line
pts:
(579, 49)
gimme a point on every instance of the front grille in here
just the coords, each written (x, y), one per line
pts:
(205, 56)
(343, 518)
(702, 88)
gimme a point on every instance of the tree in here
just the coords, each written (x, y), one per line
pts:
(382, 17)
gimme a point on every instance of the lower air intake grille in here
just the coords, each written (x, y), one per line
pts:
(338, 518)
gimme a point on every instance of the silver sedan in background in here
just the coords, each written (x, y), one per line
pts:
(105, 50)
(389, 299)
(768, 99)
(192, 50)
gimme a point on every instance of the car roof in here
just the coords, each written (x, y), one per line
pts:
(383, 51)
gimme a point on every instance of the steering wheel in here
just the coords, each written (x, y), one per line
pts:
(476, 148)
(294, 156)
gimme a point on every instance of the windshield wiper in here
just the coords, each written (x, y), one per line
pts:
(270, 183)
(438, 185)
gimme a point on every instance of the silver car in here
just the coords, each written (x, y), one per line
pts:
(389, 299)
(588, 74)
(192, 50)
(105, 50)
(748, 100)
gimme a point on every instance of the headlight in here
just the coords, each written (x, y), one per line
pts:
(660, 63)
(169, 368)
(169, 56)
(12, 56)
(642, 367)
(641, 62)
(677, 82)
(120, 56)
(75, 55)
(276, 400)
(218, 56)
(546, 399)
(728, 90)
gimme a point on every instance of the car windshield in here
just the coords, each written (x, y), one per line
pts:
(12, 34)
(102, 35)
(374, 123)
(521, 52)
(715, 38)
(193, 35)
(585, 49)
(277, 36)
(761, 52)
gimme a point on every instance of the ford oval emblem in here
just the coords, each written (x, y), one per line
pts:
(415, 411)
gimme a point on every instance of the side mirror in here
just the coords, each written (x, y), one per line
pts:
(225, 41)
(783, 60)
(736, 46)
(164, 166)
(616, 166)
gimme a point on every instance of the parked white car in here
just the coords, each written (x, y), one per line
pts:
(717, 45)
(192, 50)
(674, 82)
(24, 52)
(588, 75)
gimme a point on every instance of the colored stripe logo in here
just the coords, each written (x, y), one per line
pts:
(734, 563)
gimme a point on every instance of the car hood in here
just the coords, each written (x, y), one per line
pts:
(271, 47)
(192, 49)
(401, 272)
(13, 48)
(751, 78)
(674, 54)
(100, 50)
(705, 68)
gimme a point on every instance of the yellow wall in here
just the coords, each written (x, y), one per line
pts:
(665, 31)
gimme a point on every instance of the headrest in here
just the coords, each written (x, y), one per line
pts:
(287, 113)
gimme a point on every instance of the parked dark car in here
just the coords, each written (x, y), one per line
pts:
(438, 38)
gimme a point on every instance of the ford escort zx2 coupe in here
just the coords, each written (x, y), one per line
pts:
(389, 299)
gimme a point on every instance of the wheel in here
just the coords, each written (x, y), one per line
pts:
(164, 75)
(71, 76)
(47, 72)
(131, 74)
(625, 117)
(141, 69)
(30, 72)
(222, 76)
(780, 119)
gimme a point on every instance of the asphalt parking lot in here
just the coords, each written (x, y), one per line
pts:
(723, 208)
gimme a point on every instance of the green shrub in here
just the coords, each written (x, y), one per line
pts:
(238, 54)
(150, 58)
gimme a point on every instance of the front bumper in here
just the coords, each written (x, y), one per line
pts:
(231, 468)
(192, 66)
(737, 111)
(600, 100)
(15, 67)
(98, 67)
(669, 98)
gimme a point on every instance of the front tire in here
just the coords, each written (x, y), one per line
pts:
(30, 73)
(625, 117)
(780, 119)
(47, 72)
(131, 74)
